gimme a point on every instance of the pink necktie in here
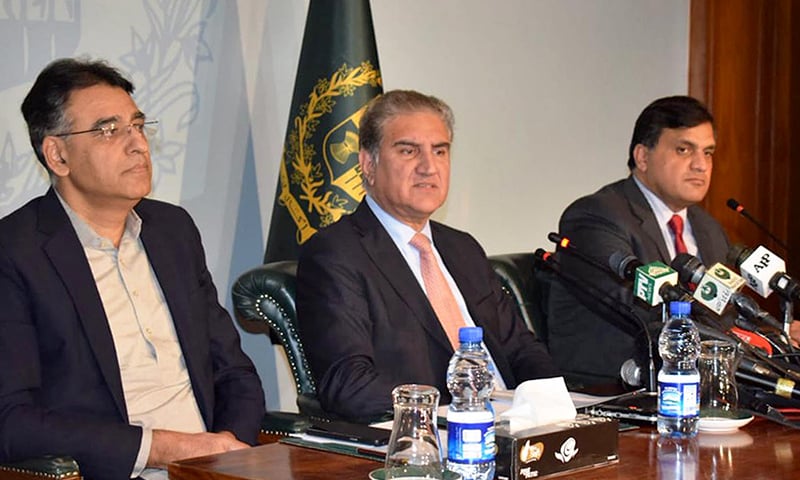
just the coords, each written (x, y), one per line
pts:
(439, 293)
(676, 225)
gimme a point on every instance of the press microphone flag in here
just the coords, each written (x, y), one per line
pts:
(716, 287)
(764, 271)
(649, 279)
(759, 268)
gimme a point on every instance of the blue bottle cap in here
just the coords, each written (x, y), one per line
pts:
(680, 308)
(470, 334)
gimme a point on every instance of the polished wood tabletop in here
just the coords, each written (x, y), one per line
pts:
(760, 450)
(274, 461)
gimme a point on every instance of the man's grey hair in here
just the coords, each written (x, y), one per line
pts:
(391, 104)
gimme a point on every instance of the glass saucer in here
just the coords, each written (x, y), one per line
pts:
(722, 424)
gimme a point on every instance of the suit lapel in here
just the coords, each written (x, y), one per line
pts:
(463, 272)
(390, 262)
(66, 253)
(702, 235)
(158, 244)
(457, 266)
(642, 211)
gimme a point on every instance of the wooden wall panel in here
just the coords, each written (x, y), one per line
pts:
(743, 65)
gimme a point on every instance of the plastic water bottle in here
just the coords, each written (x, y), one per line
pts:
(677, 458)
(679, 379)
(470, 417)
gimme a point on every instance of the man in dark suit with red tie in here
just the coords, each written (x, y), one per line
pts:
(652, 215)
(381, 293)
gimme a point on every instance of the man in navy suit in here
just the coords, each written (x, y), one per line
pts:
(113, 345)
(366, 314)
(670, 162)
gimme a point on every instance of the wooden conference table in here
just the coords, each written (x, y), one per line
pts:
(760, 450)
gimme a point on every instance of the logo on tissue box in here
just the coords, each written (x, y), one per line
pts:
(531, 453)
(567, 451)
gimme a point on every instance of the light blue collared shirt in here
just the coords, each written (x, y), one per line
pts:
(401, 234)
(663, 215)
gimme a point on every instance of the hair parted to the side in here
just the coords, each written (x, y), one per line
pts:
(392, 103)
(677, 111)
(44, 106)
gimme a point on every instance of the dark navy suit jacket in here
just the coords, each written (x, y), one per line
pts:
(60, 387)
(367, 325)
(583, 336)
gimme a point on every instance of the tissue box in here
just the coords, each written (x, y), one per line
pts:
(582, 443)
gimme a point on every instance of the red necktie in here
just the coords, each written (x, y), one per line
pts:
(439, 294)
(676, 225)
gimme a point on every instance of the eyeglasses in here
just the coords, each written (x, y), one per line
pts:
(112, 131)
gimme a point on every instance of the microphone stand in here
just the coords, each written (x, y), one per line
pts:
(787, 310)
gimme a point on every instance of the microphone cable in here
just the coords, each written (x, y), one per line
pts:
(547, 260)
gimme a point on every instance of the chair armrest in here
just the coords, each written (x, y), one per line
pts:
(49, 466)
(266, 295)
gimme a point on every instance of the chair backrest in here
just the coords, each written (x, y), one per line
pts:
(266, 294)
(528, 285)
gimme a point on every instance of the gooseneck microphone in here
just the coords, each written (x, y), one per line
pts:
(739, 208)
(564, 243)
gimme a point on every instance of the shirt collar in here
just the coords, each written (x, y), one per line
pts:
(660, 209)
(89, 238)
(400, 232)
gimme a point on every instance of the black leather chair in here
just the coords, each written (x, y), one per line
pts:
(529, 286)
(266, 296)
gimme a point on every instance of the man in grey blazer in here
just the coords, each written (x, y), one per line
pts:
(670, 160)
(364, 305)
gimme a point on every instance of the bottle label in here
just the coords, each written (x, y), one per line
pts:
(679, 395)
(470, 437)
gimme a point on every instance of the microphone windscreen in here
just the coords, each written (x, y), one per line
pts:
(737, 254)
(732, 204)
(631, 373)
(619, 263)
(689, 268)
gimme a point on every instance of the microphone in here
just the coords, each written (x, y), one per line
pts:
(714, 286)
(764, 271)
(739, 208)
(653, 283)
(565, 244)
(690, 269)
(757, 374)
(749, 309)
(718, 286)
